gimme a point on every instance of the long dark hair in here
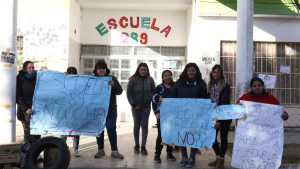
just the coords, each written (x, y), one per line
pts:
(101, 64)
(184, 76)
(25, 64)
(137, 74)
(167, 71)
(212, 81)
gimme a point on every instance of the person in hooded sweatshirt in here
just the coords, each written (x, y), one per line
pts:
(26, 80)
(101, 70)
(139, 94)
(190, 85)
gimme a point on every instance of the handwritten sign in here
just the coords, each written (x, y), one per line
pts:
(227, 112)
(259, 139)
(187, 122)
(132, 23)
(70, 104)
(269, 80)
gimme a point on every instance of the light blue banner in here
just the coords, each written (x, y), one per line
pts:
(227, 112)
(70, 104)
(187, 122)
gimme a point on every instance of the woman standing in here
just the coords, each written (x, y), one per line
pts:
(101, 70)
(26, 80)
(162, 91)
(219, 92)
(190, 85)
(139, 94)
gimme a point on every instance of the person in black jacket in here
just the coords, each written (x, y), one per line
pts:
(101, 69)
(190, 85)
(162, 91)
(26, 80)
(139, 94)
(220, 94)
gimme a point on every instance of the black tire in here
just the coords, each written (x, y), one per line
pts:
(62, 158)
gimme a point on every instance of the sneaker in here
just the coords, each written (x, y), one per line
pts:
(144, 151)
(190, 163)
(76, 153)
(136, 149)
(100, 153)
(183, 162)
(117, 155)
(170, 157)
(157, 158)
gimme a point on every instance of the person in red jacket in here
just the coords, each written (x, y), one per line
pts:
(259, 94)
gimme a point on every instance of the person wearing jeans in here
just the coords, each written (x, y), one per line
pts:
(101, 70)
(139, 95)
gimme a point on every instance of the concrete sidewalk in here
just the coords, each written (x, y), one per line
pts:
(125, 139)
(88, 149)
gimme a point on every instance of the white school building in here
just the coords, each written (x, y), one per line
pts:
(166, 34)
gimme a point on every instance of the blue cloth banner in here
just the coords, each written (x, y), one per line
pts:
(70, 104)
(227, 112)
(187, 122)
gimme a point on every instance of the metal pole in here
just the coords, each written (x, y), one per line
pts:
(8, 19)
(244, 59)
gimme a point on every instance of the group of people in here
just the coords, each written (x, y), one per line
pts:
(141, 94)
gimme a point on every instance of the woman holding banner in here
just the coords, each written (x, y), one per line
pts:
(101, 69)
(190, 85)
(26, 80)
(259, 94)
(162, 91)
(139, 94)
(219, 92)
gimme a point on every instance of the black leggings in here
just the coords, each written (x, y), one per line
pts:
(159, 146)
(221, 149)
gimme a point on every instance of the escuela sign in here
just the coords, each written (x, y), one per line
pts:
(143, 24)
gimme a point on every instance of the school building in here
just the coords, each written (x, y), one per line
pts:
(166, 34)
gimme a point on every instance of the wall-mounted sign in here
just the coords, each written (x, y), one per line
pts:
(269, 80)
(285, 69)
(132, 29)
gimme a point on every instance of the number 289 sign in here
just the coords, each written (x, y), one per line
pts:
(142, 24)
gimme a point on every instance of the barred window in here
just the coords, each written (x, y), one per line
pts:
(270, 58)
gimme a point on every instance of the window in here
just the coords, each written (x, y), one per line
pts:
(270, 58)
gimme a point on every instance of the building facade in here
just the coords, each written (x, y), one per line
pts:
(166, 34)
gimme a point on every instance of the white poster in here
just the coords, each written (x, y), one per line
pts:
(285, 69)
(269, 80)
(258, 140)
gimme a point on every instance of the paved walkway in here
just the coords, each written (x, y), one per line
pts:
(88, 148)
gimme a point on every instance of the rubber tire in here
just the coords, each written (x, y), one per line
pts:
(62, 161)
